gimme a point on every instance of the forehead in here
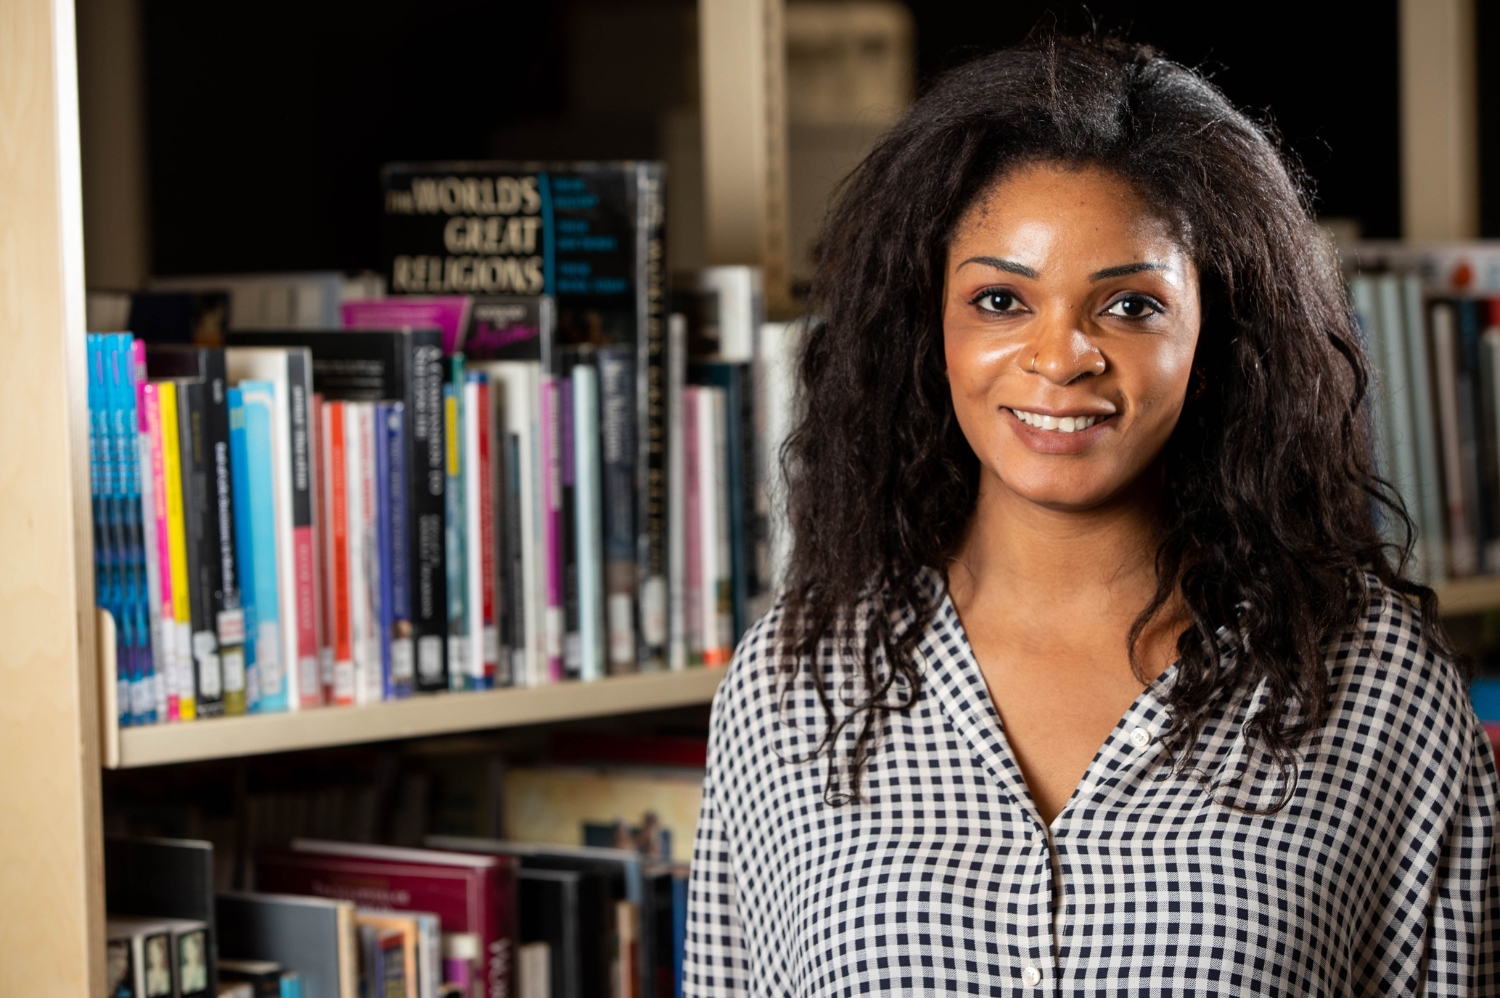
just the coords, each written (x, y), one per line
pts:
(1035, 205)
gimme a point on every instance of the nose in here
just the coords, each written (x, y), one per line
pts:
(1062, 353)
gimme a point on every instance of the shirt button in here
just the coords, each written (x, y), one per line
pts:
(1140, 738)
(1031, 976)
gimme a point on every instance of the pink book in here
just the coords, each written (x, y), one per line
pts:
(449, 313)
(150, 402)
(322, 629)
(552, 526)
(693, 555)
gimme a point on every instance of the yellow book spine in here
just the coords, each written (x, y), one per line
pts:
(177, 550)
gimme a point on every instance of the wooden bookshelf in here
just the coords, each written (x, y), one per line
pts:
(442, 713)
(1458, 597)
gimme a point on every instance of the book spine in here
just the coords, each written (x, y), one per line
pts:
(181, 684)
(1463, 545)
(159, 558)
(552, 619)
(588, 510)
(676, 495)
(133, 358)
(258, 400)
(484, 417)
(457, 574)
(617, 451)
(228, 617)
(513, 588)
(208, 676)
(724, 614)
(337, 463)
(426, 457)
(398, 521)
(116, 512)
(322, 593)
(100, 496)
(693, 534)
(307, 683)
(651, 418)
(473, 535)
(572, 643)
(383, 551)
(1480, 500)
(1435, 559)
(364, 553)
(244, 539)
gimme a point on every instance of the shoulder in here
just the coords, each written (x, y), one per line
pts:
(1395, 693)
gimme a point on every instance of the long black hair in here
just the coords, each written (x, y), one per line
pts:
(1273, 505)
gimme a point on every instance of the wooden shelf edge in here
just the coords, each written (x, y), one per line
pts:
(1477, 594)
(443, 713)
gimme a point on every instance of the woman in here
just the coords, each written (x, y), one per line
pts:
(1094, 671)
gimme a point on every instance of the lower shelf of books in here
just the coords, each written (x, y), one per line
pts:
(442, 713)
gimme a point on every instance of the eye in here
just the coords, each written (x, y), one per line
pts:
(1134, 307)
(997, 301)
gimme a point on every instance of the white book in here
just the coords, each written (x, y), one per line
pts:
(474, 663)
(521, 387)
(161, 651)
(677, 653)
(364, 565)
(775, 415)
(1429, 474)
(713, 599)
(1463, 546)
(297, 300)
(588, 510)
(270, 364)
(741, 295)
(1401, 420)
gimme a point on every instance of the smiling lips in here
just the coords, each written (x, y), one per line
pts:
(1057, 424)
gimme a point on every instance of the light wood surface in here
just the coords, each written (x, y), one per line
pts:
(1458, 597)
(51, 863)
(420, 716)
(1439, 120)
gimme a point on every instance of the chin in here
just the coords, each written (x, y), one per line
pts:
(1078, 488)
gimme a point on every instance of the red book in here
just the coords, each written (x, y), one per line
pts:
(322, 595)
(470, 894)
(336, 458)
(491, 632)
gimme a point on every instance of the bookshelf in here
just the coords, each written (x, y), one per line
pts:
(1460, 597)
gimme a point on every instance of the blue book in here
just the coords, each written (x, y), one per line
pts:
(1485, 693)
(133, 534)
(244, 539)
(99, 492)
(258, 403)
(456, 533)
(395, 551)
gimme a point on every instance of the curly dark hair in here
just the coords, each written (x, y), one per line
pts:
(1274, 508)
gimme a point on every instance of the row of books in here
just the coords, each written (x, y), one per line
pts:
(1432, 330)
(458, 918)
(344, 517)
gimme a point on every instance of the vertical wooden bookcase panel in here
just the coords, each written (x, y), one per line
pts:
(51, 866)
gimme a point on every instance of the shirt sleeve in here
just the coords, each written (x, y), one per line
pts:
(1464, 955)
(715, 965)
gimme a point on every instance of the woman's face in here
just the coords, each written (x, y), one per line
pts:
(1070, 320)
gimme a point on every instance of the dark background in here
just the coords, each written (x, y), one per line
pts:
(268, 121)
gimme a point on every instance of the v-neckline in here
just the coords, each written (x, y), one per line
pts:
(967, 700)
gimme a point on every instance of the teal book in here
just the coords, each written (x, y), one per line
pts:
(239, 471)
(258, 402)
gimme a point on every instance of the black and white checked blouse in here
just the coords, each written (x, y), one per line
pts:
(1379, 877)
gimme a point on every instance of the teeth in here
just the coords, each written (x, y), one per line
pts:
(1064, 424)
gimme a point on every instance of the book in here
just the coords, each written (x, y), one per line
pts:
(692, 536)
(394, 970)
(479, 539)
(519, 385)
(251, 454)
(299, 300)
(341, 686)
(553, 614)
(395, 544)
(200, 531)
(508, 327)
(425, 969)
(1429, 475)
(169, 880)
(158, 554)
(617, 461)
(322, 592)
(565, 476)
(739, 293)
(313, 936)
(263, 976)
(364, 552)
(485, 494)
(471, 894)
(456, 532)
(1463, 542)
(139, 960)
(676, 367)
(592, 236)
(404, 366)
(290, 371)
(549, 913)
(181, 684)
(449, 314)
(534, 970)
(776, 412)
(739, 426)
(588, 520)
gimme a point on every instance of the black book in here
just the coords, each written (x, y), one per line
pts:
(208, 518)
(509, 327)
(404, 366)
(167, 878)
(592, 236)
(311, 935)
(547, 908)
(204, 569)
(739, 407)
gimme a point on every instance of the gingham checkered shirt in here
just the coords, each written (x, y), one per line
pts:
(1380, 875)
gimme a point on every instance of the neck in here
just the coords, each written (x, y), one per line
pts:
(1100, 560)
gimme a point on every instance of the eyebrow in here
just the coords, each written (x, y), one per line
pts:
(1021, 270)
